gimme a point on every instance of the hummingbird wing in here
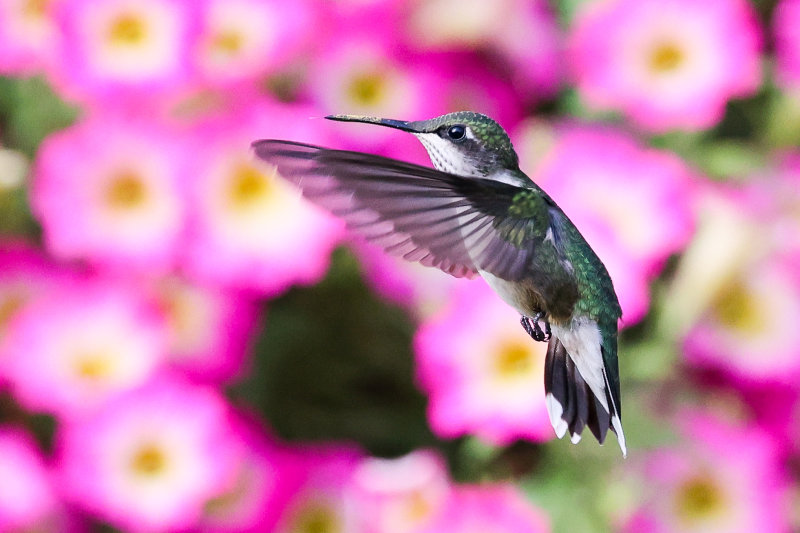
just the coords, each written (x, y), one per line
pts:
(457, 224)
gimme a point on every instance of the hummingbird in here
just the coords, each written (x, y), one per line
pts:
(477, 214)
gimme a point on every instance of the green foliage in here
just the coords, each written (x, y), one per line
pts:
(334, 363)
(29, 112)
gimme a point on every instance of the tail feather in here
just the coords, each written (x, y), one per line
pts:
(599, 421)
(572, 405)
(579, 396)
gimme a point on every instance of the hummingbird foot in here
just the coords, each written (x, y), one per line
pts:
(532, 327)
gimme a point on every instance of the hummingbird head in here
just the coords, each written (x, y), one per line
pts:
(463, 143)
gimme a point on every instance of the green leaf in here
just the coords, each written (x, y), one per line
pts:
(30, 111)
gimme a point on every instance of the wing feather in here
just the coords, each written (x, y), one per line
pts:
(418, 213)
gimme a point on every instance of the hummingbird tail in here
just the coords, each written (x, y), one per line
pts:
(571, 403)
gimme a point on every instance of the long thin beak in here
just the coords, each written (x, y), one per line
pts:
(397, 124)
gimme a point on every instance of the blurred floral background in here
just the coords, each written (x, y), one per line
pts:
(185, 345)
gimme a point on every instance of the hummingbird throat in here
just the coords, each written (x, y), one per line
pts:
(448, 157)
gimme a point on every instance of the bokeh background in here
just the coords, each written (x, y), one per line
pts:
(185, 345)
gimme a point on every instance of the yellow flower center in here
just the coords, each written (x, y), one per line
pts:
(127, 30)
(9, 305)
(35, 9)
(419, 507)
(149, 460)
(177, 310)
(513, 359)
(227, 42)
(126, 191)
(316, 519)
(699, 498)
(248, 186)
(368, 88)
(93, 367)
(736, 307)
(666, 57)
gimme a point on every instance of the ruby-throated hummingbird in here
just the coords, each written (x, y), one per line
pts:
(479, 214)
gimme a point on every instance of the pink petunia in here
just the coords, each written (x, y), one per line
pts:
(722, 477)
(209, 329)
(123, 49)
(749, 331)
(108, 190)
(634, 205)
(774, 193)
(373, 76)
(73, 349)
(531, 41)
(523, 33)
(451, 24)
(266, 477)
(499, 508)
(467, 82)
(149, 460)
(733, 233)
(27, 498)
(322, 502)
(25, 273)
(785, 19)
(241, 40)
(483, 374)
(666, 65)
(402, 495)
(29, 37)
(249, 229)
(421, 290)
(775, 408)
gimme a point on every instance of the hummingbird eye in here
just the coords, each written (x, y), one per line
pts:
(457, 132)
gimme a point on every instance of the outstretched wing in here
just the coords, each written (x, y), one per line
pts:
(459, 225)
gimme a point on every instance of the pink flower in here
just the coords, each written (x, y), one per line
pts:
(28, 36)
(80, 345)
(421, 290)
(27, 498)
(774, 195)
(483, 374)
(785, 19)
(402, 495)
(775, 408)
(368, 76)
(523, 32)
(722, 477)
(633, 204)
(249, 229)
(734, 228)
(149, 460)
(749, 330)
(322, 503)
(531, 40)
(107, 190)
(209, 329)
(241, 40)
(266, 477)
(450, 24)
(497, 508)
(666, 64)
(481, 86)
(125, 48)
(25, 274)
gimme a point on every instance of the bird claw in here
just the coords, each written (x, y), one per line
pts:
(532, 327)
